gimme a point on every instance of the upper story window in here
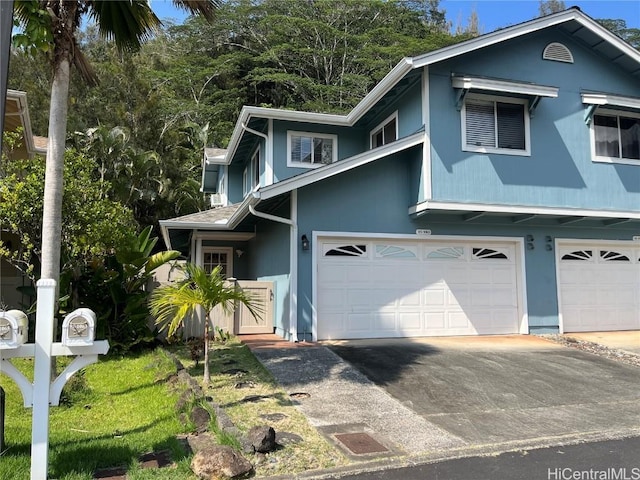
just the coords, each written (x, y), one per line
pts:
(616, 135)
(386, 132)
(255, 169)
(251, 173)
(311, 150)
(495, 125)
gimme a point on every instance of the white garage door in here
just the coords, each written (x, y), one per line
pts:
(368, 288)
(599, 287)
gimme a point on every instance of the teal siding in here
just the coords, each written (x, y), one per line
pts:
(374, 199)
(560, 171)
(269, 261)
(350, 142)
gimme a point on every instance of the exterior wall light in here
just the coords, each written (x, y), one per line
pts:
(305, 242)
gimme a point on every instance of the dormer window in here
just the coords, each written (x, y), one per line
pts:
(311, 150)
(386, 132)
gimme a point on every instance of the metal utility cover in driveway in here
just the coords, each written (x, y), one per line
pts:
(502, 389)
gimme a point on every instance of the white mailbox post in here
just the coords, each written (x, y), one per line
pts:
(77, 340)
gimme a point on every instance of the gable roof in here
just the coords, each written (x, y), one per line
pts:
(572, 22)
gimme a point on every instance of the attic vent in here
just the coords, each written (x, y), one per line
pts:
(557, 52)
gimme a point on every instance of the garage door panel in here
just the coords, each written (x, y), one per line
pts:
(434, 296)
(415, 290)
(410, 323)
(599, 288)
(410, 299)
(385, 322)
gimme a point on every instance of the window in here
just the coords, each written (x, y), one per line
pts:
(495, 125)
(386, 132)
(616, 136)
(255, 169)
(218, 256)
(311, 149)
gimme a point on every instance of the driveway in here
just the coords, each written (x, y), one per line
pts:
(629, 341)
(488, 390)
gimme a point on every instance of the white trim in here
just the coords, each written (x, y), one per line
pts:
(268, 157)
(467, 82)
(596, 98)
(381, 126)
(531, 26)
(212, 249)
(344, 165)
(225, 236)
(312, 135)
(255, 168)
(427, 187)
(559, 243)
(592, 136)
(497, 150)
(516, 209)
(517, 242)
(293, 270)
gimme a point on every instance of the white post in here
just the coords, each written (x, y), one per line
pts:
(45, 309)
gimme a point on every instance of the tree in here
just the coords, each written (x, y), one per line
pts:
(94, 226)
(547, 7)
(172, 304)
(619, 27)
(56, 22)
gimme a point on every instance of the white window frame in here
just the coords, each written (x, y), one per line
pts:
(592, 136)
(501, 151)
(381, 126)
(227, 250)
(325, 136)
(245, 181)
(255, 169)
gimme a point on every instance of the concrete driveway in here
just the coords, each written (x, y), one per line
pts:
(629, 341)
(491, 390)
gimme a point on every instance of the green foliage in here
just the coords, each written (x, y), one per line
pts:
(116, 289)
(172, 304)
(94, 226)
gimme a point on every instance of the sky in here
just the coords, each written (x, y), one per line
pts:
(492, 14)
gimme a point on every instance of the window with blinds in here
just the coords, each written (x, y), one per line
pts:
(491, 125)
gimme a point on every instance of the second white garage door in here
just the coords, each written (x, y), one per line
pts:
(599, 286)
(370, 288)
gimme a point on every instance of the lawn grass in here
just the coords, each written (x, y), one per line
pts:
(116, 410)
(120, 408)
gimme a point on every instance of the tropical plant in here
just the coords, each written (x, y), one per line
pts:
(172, 304)
(53, 25)
(117, 290)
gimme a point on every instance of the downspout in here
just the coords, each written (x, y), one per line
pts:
(293, 259)
(255, 132)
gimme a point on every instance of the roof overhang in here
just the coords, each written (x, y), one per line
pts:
(599, 99)
(336, 168)
(16, 115)
(466, 83)
(522, 213)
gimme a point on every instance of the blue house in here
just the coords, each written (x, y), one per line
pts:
(489, 187)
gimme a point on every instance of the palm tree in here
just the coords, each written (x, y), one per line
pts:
(52, 25)
(172, 304)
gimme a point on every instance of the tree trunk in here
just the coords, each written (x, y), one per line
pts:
(206, 375)
(53, 184)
